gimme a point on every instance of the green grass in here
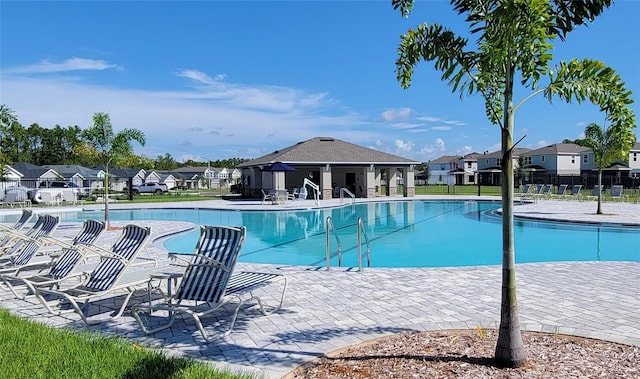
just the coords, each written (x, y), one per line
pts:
(457, 190)
(32, 350)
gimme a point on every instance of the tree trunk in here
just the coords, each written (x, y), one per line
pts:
(106, 196)
(510, 350)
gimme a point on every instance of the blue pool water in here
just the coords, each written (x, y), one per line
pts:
(401, 234)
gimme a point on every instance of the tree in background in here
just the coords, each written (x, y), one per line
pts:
(110, 146)
(608, 145)
(513, 43)
(425, 169)
(7, 120)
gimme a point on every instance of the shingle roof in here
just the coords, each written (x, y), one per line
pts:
(69, 170)
(321, 150)
(518, 151)
(29, 170)
(559, 148)
(444, 159)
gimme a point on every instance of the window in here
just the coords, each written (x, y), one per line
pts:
(499, 162)
(471, 178)
(468, 164)
(573, 159)
(439, 178)
(585, 158)
(527, 160)
(487, 160)
(635, 157)
(542, 158)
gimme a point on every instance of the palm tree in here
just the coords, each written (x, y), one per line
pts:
(110, 146)
(513, 42)
(608, 145)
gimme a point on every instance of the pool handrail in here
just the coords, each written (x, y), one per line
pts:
(329, 226)
(345, 191)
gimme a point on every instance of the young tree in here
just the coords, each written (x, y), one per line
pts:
(514, 42)
(110, 146)
(608, 145)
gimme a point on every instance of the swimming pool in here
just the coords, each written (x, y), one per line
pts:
(401, 234)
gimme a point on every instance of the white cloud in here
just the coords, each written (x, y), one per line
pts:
(400, 114)
(440, 143)
(402, 146)
(405, 126)
(71, 64)
(440, 128)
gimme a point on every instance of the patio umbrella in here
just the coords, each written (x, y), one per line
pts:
(278, 169)
(279, 166)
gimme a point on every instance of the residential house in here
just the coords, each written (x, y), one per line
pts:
(85, 177)
(464, 169)
(193, 177)
(35, 176)
(440, 170)
(10, 178)
(559, 163)
(489, 167)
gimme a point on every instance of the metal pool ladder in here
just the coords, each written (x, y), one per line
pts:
(331, 229)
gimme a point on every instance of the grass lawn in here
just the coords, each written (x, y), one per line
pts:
(32, 350)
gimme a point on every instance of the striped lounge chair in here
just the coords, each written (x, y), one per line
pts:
(208, 283)
(110, 275)
(72, 254)
(25, 248)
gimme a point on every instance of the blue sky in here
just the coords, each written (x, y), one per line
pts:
(209, 80)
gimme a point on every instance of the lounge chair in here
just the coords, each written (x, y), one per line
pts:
(575, 191)
(11, 200)
(595, 192)
(48, 199)
(545, 191)
(207, 283)
(25, 248)
(10, 231)
(617, 193)
(108, 276)
(72, 255)
(562, 190)
(527, 192)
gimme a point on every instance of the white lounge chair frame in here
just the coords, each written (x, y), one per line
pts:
(208, 283)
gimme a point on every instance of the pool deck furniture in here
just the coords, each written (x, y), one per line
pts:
(107, 277)
(30, 276)
(208, 283)
(25, 248)
(326, 311)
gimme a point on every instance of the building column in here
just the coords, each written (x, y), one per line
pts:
(370, 182)
(392, 181)
(409, 188)
(326, 183)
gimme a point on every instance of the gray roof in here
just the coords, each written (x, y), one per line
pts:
(68, 171)
(444, 159)
(30, 171)
(321, 150)
(560, 149)
(518, 151)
